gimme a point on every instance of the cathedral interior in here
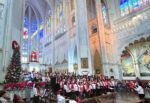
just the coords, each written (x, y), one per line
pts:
(86, 37)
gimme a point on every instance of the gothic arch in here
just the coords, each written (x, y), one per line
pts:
(134, 40)
(97, 62)
(139, 51)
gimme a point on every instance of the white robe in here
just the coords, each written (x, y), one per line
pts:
(60, 99)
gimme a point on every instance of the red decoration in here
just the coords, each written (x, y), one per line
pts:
(22, 85)
(25, 33)
(33, 57)
(125, 55)
(15, 44)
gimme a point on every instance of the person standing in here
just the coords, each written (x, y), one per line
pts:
(72, 99)
(27, 92)
(140, 92)
(37, 94)
(3, 97)
(60, 97)
(67, 90)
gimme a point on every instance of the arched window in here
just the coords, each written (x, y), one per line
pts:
(26, 22)
(94, 28)
(105, 14)
(34, 26)
(129, 6)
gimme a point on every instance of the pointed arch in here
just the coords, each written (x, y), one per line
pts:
(97, 62)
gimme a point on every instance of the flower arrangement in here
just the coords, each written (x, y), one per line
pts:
(21, 85)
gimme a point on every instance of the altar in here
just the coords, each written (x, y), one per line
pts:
(34, 66)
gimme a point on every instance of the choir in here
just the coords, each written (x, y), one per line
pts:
(86, 86)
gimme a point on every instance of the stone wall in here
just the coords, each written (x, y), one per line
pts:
(129, 28)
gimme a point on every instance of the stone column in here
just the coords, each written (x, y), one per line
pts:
(136, 64)
(29, 30)
(71, 40)
(53, 35)
(83, 49)
(101, 35)
(4, 11)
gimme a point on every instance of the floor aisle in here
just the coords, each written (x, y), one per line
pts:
(119, 98)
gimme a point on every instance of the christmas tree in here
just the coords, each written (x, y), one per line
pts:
(14, 68)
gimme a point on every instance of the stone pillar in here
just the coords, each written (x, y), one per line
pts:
(53, 35)
(29, 30)
(70, 33)
(4, 4)
(83, 49)
(136, 64)
(12, 29)
(101, 35)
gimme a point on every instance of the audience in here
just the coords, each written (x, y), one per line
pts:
(75, 88)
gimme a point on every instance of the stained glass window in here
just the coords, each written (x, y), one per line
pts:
(25, 45)
(105, 14)
(128, 6)
(34, 26)
(26, 27)
(26, 22)
(121, 8)
(140, 3)
(135, 4)
(41, 33)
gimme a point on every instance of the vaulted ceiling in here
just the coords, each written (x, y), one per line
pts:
(38, 9)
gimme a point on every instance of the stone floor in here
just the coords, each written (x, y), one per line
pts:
(112, 99)
(120, 97)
